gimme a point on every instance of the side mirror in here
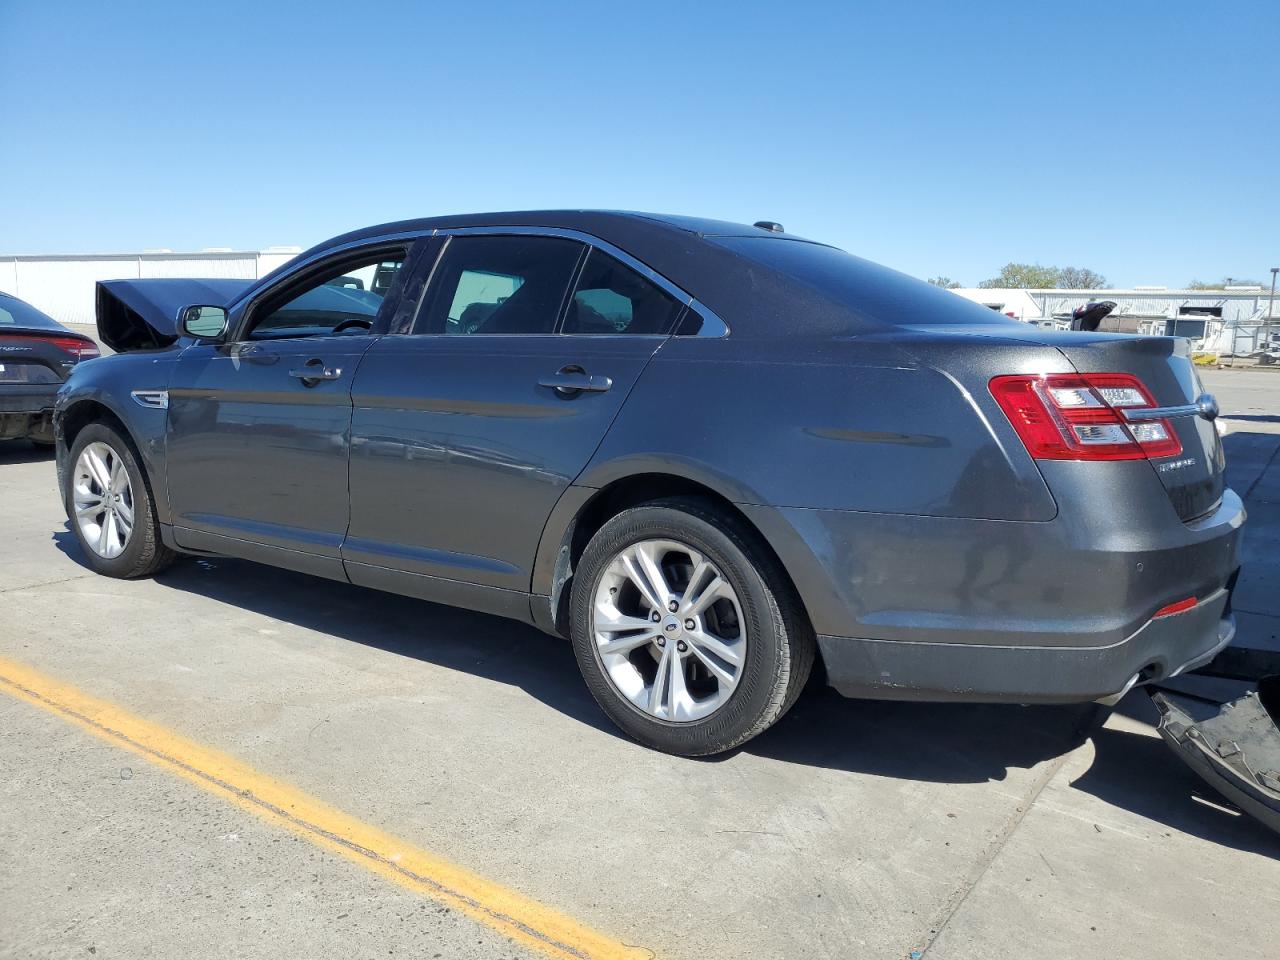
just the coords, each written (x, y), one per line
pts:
(202, 322)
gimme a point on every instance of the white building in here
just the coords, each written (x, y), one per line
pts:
(62, 285)
(1234, 319)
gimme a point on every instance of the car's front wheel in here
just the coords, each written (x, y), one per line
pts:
(686, 629)
(108, 502)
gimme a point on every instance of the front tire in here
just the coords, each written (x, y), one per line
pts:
(686, 629)
(109, 503)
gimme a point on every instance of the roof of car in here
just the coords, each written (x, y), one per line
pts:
(760, 282)
(618, 224)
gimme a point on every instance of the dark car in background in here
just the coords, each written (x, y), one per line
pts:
(36, 354)
(712, 455)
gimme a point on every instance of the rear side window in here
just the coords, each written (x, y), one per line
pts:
(611, 298)
(499, 285)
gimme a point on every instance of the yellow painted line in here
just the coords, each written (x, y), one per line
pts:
(523, 920)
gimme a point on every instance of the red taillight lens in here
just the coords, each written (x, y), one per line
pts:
(1067, 416)
(82, 349)
(74, 345)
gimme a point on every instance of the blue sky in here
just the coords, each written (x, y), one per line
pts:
(1136, 138)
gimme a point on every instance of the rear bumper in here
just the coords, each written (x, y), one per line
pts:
(940, 608)
(26, 410)
(896, 669)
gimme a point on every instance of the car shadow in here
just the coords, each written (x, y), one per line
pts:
(1136, 771)
(24, 451)
(926, 742)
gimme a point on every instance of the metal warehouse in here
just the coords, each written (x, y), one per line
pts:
(62, 285)
(1229, 321)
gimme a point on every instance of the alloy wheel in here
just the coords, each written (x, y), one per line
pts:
(103, 500)
(669, 630)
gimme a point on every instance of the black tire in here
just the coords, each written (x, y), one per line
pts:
(781, 646)
(145, 554)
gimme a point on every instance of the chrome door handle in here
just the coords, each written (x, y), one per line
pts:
(573, 380)
(313, 371)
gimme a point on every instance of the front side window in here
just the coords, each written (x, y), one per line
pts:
(499, 285)
(345, 299)
(611, 298)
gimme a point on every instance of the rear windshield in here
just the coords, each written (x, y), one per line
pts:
(16, 313)
(875, 293)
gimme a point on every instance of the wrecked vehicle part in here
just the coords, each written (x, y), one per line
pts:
(1237, 751)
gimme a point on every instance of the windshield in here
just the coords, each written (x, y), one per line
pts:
(17, 313)
(874, 293)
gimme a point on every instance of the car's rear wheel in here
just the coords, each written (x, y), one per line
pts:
(685, 628)
(109, 504)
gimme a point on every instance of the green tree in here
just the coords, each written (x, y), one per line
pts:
(1031, 276)
(1080, 278)
(946, 283)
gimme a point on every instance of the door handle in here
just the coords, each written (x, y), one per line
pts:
(572, 380)
(313, 371)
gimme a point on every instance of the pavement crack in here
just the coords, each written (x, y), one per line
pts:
(1262, 473)
(992, 851)
(48, 583)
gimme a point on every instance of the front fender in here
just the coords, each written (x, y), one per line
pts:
(108, 384)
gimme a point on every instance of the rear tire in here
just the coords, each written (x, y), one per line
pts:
(744, 657)
(107, 549)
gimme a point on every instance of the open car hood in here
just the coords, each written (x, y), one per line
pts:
(143, 314)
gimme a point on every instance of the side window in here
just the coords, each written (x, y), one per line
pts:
(499, 285)
(613, 298)
(344, 300)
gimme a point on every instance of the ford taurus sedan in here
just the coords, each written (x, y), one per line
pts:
(716, 457)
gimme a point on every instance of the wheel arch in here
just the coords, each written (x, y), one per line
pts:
(82, 411)
(584, 510)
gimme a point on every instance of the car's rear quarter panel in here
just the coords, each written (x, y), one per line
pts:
(839, 425)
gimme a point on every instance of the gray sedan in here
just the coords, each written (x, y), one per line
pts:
(719, 458)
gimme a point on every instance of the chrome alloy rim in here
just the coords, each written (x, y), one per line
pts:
(103, 500)
(669, 630)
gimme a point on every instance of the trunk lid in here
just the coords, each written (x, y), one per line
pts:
(31, 355)
(1193, 478)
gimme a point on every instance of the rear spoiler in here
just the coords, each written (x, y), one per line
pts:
(143, 314)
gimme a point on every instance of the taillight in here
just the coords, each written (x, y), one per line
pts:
(80, 349)
(84, 349)
(1067, 416)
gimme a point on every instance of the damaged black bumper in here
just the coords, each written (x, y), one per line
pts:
(1237, 751)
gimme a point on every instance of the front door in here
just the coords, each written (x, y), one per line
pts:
(466, 432)
(258, 439)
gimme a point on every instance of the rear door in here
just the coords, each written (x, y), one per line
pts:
(258, 435)
(467, 428)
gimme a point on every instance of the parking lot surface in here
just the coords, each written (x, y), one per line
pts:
(469, 744)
